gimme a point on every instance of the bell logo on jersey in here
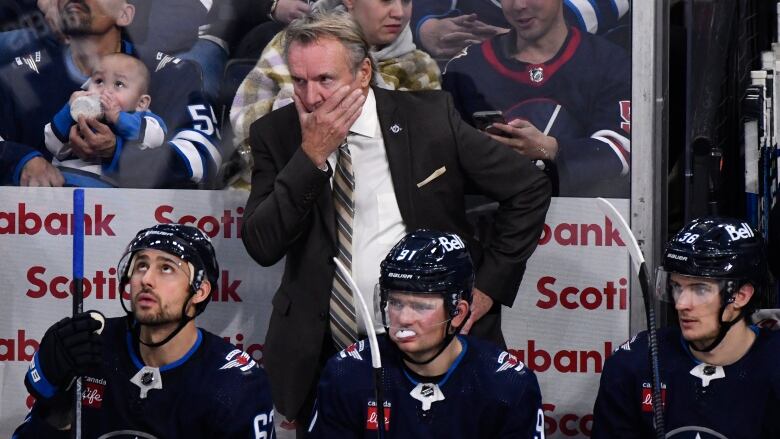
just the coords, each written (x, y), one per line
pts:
(240, 359)
(647, 397)
(509, 361)
(92, 395)
(372, 421)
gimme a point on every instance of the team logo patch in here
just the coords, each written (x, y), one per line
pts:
(372, 419)
(93, 392)
(240, 359)
(627, 345)
(353, 350)
(647, 397)
(509, 361)
(30, 61)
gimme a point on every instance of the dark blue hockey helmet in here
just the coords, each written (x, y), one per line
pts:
(432, 262)
(722, 249)
(187, 243)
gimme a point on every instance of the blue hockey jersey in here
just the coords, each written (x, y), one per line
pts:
(582, 97)
(487, 393)
(594, 16)
(214, 391)
(35, 85)
(741, 401)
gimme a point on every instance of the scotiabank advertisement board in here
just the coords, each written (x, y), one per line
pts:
(572, 310)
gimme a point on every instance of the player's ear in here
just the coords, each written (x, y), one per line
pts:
(202, 292)
(125, 14)
(743, 295)
(143, 103)
(463, 312)
(349, 4)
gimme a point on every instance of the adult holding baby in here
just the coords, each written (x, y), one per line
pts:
(35, 86)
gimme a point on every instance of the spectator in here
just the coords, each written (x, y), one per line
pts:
(37, 83)
(406, 164)
(118, 90)
(152, 373)
(443, 28)
(565, 94)
(385, 23)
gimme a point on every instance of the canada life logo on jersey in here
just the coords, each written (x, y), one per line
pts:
(240, 359)
(92, 395)
(647, 397)
(372, 421)
(509, 361)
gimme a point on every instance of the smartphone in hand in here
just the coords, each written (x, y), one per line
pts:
(484, 120)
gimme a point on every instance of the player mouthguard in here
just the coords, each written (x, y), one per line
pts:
(405, 333)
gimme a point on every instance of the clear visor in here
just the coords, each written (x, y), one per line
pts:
(405, 310)
(674, 287)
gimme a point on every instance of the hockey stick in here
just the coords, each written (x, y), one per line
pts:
(640, 267)
(78, 291)
(376, 360)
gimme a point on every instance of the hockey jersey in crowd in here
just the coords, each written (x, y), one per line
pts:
(485, 393)
(594, 16)
(581, 96)
(738, 401)
(214, 391)
(36, 85)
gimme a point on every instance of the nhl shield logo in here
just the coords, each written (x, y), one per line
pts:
(536, 74)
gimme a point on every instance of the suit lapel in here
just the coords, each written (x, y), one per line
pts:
(395, 132)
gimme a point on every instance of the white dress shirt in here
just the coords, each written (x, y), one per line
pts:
(377, 224)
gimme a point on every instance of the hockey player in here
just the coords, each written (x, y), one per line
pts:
(719, 375)
(436, 383)
(153, 373)
(35, 85)
(564, 95)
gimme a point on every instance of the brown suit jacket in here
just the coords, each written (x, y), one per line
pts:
(290, 214)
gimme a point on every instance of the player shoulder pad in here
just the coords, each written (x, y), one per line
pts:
(238, 359)
(507, 361)
(356, 351)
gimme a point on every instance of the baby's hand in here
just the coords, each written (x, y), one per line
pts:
(110, 106)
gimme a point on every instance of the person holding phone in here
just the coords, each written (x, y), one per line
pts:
(565, 95)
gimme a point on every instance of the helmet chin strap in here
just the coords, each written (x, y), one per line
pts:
(446, 342)
(135, 327)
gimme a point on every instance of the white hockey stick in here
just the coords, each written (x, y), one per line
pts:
(376, 360)
(640, 267)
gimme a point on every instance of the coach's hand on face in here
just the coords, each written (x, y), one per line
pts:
(91, 139)
(69, 348)
(324, 129)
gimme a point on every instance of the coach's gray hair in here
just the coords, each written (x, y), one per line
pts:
(337, 25)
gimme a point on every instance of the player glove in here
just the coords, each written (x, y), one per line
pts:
(70, 347)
